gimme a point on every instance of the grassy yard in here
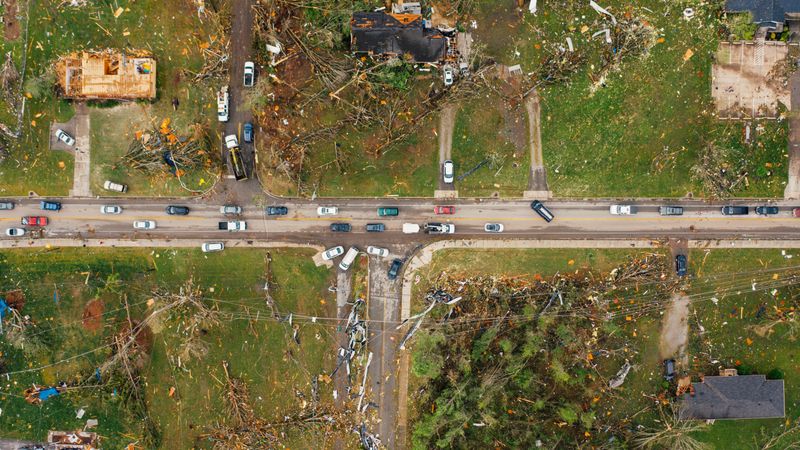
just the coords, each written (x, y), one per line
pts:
(58, 283)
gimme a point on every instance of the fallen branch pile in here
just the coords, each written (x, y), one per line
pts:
(150, 151)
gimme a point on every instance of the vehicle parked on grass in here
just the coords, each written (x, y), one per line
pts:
(111, 209)
(34, 221)
(333, 252)
(409, 228)
(62, 136)
(116, 187)
(378, 251)
(340, 227)
(669, 369)
(766, 210)
(394, 269)
(233, 225)
(327, 211)
(375, 227)
(388, 211)
(247, 132)
(50, 206)
(623, 210)
(735, 210)
(493, 228)
(15, 232)
(230, 210)
(447, 75)
(670, 210)
(249, 74)
(144, 224)
(440, 228)
(348, 259)
(208, 247)
(174, 210)
(680, 265)
(444, 209)
(448, 172)
(6, 205)
(539, 208)
(277, 210)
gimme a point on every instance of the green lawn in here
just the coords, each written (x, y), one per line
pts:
(255, 345)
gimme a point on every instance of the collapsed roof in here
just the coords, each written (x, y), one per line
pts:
(107, 74)
(378, 33)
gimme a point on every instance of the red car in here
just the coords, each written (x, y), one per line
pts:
(796, 212)
(444, 209)
(35, 221)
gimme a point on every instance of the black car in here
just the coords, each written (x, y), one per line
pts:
(340, 227)
(277, 210)
(669, 369)
(680, 265)
(173, 210)
(735, 210)
(395, 268)
(375, 227)
(766, 210)
(539, 208)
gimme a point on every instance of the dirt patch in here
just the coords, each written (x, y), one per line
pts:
(93, 315)
(15, 299)
(10, 22)
(675, 329)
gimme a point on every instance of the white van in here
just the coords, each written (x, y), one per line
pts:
(348, 259)
(111, 186)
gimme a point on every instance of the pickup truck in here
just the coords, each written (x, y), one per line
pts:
(233, 225)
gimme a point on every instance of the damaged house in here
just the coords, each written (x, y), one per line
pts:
(406, 36)
(732, 396)
(107, 75)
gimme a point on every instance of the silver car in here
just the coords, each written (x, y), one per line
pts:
(331, 253)
(144, 224)
(378, 251)
(209, 247)
(64, 137)
(15, 232)
(6, 205)
(111, 209)
(448, 174)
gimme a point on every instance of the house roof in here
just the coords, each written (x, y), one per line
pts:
(107, 74)
(738, 397)
(764, 10)
(396, 34)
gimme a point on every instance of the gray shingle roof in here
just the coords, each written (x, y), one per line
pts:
(739, 397)
(380, 33)
(764, 10)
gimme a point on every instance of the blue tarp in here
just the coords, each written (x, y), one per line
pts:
(3, 308)
(47, 393)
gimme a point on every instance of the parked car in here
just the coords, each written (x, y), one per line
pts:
(331, 253)
(232, 225)
(493, 228)
(230, 210)
(735, 210)
(348, 259)
(277, 210)
(448, 172)
(144, 224)
(375, 227)
(116, 187)
(766, 210)
(340, 227)
(444, 209)
(440, 228)
(111, 209)
(34, 221)
(623, 210)
(378, 251)
(174, 210)
(388, 211)
(208, 247)
(680, 265)
(327, 210)
(796, 212)
(231, 141)
(394, 269)
(447, 75)
(670, 210)
(249, 74)
(247, 133)
(669, 369)
(539, 208)
(50, 206)
(15, 232)
(6, 205)
(64, 137)
(410, 228)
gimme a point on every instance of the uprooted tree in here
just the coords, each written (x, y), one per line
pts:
(162, 148)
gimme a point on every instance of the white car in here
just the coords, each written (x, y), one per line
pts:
(64, 137)
(331, 253)
(144, 224)
(249, 74)
(231, 141)
(493, 228)
(15, 232)
(327, 211)
(447, 172)
(622, 210)
(448, 228)
(447, 74)
(209, 247)
(111, 209)
(378, 251)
